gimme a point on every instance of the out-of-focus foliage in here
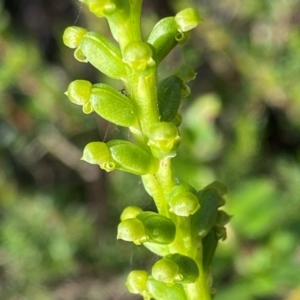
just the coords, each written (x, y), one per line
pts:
(241, 126)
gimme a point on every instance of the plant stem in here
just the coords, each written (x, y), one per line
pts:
(183, 243)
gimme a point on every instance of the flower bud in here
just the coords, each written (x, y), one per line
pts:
(187, 19)
(186, 73)
(98, 153)
(138, 56)
(182, 201)
(209, 245)
(222, 218)
(163, 139)
(163, 38)
(72, 36)
(219, 187)
(188, 269)
(167, 271)
(169, 98)
(103, 55)
(100, 8)
(160, 290)
(79, 92)
(132, 158)
(130, 212)
(175, 268)
(136, 282)
(132, 230)
(204, 219)
(121, 155)
(112, 105)
(159, 229)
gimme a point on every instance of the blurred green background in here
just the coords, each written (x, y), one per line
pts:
(241, 125)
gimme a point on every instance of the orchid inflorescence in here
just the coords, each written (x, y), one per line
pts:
(188, 224)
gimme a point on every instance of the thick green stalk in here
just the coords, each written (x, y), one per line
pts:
(130, 30)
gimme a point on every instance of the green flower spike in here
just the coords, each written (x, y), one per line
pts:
(164, 139)
(182, 201)
(138, 56)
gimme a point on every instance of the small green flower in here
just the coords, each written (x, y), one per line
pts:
(183, 201)
(138, 56)
(137, 282)
(167, 271)
(159, 229)
(98, 153)
(187, 19)
(121, 155)
(79, 92)
(132, 230)
(164, 139)
(175, 267)
(100, 8)
(72, 36)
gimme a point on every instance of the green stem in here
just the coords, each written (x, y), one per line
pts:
(183, 243)
(155, 191)
(125, 26)
(165, 175)
(142, 89)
